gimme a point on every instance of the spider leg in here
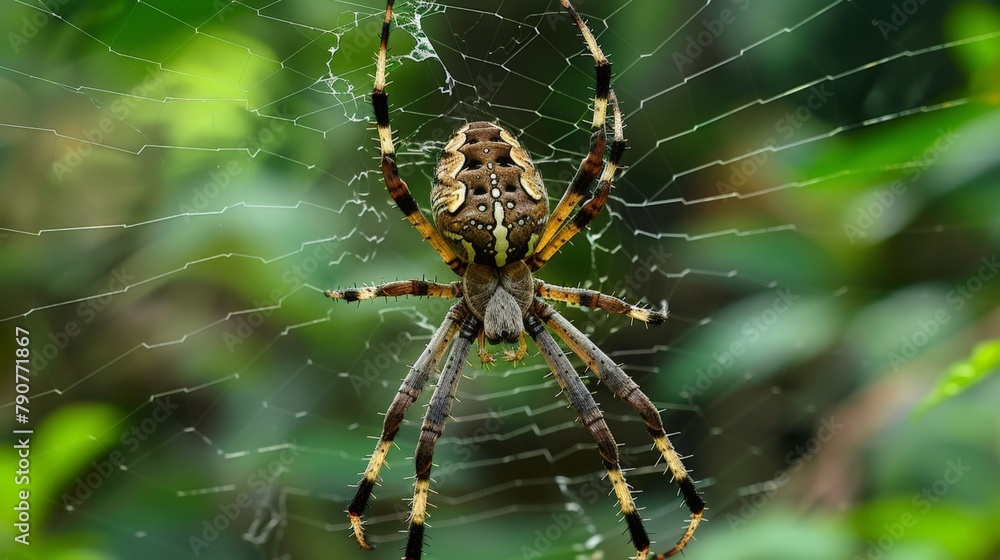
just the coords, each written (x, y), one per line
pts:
(593, 206)
(591, 166)
(393, 182)
(592, 419)
(594, 299)
(627, 390)
(408, 392)
(434, 421)
(518, 354)
(484, 357)
(399, 288)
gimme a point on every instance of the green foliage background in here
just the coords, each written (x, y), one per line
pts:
(181, 180)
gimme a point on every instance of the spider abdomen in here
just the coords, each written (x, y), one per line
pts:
(488, 198)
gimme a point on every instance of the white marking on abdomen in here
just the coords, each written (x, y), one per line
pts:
(500, 234)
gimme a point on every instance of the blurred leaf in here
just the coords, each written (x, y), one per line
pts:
(87, 554)
(984, 361)
(66, 444)
(774, 532)
(930, 523)
(60, 448)
(980, 60)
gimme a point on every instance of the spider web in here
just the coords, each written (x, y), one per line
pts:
(805, 182)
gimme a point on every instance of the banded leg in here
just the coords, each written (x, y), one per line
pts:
(399, 288)
(592, 419)
(627, 390)
(393, 182)
(594, 204)
(408, 392)
(597, 300)
(591, 166)
(434, 420)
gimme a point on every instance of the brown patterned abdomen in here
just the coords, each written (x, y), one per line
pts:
(488, 199)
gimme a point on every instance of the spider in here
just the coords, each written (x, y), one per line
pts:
(494, 231)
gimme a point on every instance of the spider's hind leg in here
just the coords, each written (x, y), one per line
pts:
(627, 390)
(592, 419)
(408, 392)
(433, 427)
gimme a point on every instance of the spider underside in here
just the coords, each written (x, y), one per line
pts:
(493, 229)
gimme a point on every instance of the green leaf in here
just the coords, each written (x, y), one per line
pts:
(984, 361)
(61, 447)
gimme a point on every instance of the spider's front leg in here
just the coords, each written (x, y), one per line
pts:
(558, 231)
(596, 300)
(397, 289)
(396, 186)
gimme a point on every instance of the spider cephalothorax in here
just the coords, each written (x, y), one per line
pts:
(494, 230)
(500, 297)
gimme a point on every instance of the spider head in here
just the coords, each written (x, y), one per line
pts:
(488, 199)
